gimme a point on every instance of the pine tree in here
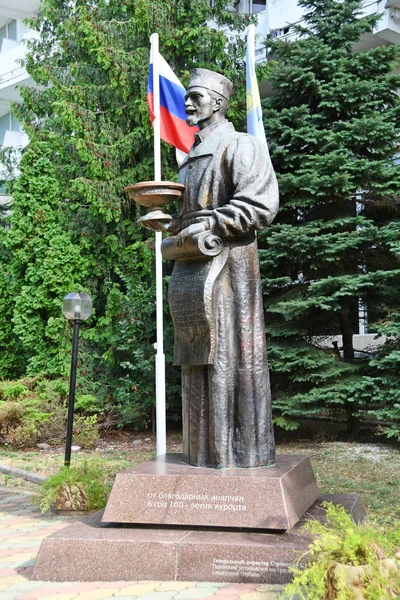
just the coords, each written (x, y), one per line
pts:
(90, 63)
(333, 127)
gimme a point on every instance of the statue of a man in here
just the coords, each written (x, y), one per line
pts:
(230, 193)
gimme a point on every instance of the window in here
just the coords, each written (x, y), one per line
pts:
(9, 31)
(8, 123)
(258, 5)
(279, 32)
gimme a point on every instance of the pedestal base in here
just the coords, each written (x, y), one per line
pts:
(167, 491)
(93, 551)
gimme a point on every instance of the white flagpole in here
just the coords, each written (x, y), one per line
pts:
(160, 358)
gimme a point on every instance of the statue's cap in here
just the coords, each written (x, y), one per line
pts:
(211, 81)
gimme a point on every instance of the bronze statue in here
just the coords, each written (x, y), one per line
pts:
(215, 290)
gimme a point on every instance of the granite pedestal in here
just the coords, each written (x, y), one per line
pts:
(167, 491)
(92, 550)
(166, 520)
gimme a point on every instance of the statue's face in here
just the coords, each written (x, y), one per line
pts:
(199, 105)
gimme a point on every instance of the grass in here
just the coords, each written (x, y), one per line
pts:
(50, 462)
(371, 470)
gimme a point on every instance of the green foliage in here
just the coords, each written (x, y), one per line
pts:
(86, 403)
(32, 410)
(339, 543)
(11, 359)
(44, 264)
(73, 227)
(95, 477)
(333, 127)
(12, 390)
(386, 364)
(86, 431)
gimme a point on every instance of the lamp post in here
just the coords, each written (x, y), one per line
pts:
(76, 308)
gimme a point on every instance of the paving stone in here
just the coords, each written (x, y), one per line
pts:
(11, 553)
(9, 595)
(176, 586)
(138, 589)
(61, 597)
(196, 592)
(11, 579)
(6, 570)
(239, 589)
(208, 584)
(17, 557)
(112, 584)
(119, 598)
(10, 499)
(158, 595)
(252, 596)
(40, 592)
(110, 590)
(79, 588)
(233, 597)
(275, 595)
(269, 587)
(22, 544)
(95, 594)
(27, 586)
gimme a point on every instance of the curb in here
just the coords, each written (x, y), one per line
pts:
(27, 475)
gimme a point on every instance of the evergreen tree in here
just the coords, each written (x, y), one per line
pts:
(333, 127)
(11, 361)
(45, 265)
(386, 366)
(90, 63)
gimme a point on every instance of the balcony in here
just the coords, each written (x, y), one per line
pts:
(262, 31)
(285, 12)
(18, 9)
(16, 139)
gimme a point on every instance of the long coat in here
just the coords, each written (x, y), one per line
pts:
(229, 181)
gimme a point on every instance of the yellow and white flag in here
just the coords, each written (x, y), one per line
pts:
(255, 124)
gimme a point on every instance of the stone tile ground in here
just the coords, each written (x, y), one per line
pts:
(22, 529)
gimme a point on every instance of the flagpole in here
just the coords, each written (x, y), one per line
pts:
(160, 357)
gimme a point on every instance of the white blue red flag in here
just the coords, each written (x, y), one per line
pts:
(174, 129)
(255, 124)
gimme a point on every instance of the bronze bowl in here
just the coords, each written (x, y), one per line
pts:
(154, 195)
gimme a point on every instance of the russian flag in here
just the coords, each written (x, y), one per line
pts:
(174, 129)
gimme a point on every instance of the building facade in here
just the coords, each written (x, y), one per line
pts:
(13, 36)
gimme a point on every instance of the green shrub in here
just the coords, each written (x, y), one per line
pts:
(94, 476)
(34, 410)
(86, 431)
(11, 414)
(86, 403)
(13, 390)
(26, 434)
(348, 560)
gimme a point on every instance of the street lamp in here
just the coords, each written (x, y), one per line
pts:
(76, 308)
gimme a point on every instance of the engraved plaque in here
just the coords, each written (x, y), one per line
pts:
(186, 301)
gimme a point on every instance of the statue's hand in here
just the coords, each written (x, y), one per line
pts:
(190, 231)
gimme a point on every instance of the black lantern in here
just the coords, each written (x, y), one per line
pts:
(76, 308)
